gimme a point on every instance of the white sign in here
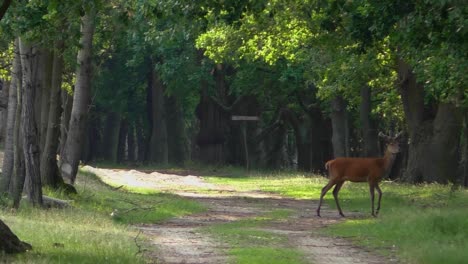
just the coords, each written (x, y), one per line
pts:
(245, 118)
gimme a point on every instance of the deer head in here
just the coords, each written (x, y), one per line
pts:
(393, 143)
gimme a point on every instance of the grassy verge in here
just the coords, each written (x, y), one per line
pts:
(249, 244)
(87, 233)
(424, 223)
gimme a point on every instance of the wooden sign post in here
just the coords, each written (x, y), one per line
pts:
(244, 134)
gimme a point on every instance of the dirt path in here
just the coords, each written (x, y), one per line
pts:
(180, 241)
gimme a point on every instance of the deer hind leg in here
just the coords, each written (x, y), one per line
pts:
(380, 198)
(336, 190)
(324, 191)
(372, 194)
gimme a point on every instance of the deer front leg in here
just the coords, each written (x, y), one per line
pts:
(324, 191)
(335, 195)
(372, 193)
(380, 198)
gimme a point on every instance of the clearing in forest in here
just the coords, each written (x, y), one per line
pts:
(239, 226)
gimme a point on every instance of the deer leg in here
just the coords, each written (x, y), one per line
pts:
(335, 195)
(380, 198)
(324, 191)
(372, 193)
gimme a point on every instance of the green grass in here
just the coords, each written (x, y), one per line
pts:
(424, 223)
(87, 233)
(250, 244)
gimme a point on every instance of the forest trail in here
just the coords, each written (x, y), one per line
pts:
(181, 240)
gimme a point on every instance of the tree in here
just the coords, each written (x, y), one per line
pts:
(71, 153)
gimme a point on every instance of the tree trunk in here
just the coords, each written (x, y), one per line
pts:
(340, 128)
(49, 169)
(142, 141)
(4, 95)
(111, 137)
(10, 243)
(158, 142)
(19, 174)
(434, 138)
(212, 135)
(31, 139)
(69, 158)
(45, 73)
(369, 131)
(122, 141)
(67, 104)
(177, 138)
(8, 158)
(131, 143)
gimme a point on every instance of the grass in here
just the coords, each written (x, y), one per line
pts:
(250, 244)
(425, 223)
(87, 233)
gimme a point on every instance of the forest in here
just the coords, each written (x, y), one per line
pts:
(165, 83)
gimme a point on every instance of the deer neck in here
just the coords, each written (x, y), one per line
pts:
(388, 158)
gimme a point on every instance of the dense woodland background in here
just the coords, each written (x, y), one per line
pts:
(158, 81)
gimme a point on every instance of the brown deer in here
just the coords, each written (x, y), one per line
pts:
(361, 170)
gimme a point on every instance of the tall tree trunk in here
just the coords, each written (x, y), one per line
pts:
(8, 158)
(340, 129)
(69, 158)
(158, 142)
(213, 131)
(141, 142)
(111, 137)
(10, 243)
(4, 95)
(131, 143)
(45, 73)
(19, 173)
(434, 138)
(31, 140)
(49, 169)
(369, 131)
(122, 141)
(177, 138)
(67, 104)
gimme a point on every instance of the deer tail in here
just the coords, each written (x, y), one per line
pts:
(327, 165)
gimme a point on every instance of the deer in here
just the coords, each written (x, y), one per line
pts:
(370, 170)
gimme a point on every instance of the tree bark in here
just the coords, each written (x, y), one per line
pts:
(111, 137)
(67, 104)
(177, 138)
(70, 156)
(340, 128)
(8, 159)
(369, 131)
(122, 141)
(434, 135)
(49, 168)
(10, 243)
(19, 174)
(158, 142)
(45, 73)
(212, 135)
(31, 139)
(131, 143)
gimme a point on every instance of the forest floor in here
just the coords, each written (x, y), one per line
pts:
(182, 240)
